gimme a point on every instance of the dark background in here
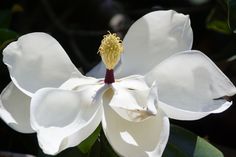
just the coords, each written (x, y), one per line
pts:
(79, 25)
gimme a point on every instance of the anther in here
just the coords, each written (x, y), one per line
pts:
(110, 51)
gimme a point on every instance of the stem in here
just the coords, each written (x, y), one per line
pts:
(109, 78)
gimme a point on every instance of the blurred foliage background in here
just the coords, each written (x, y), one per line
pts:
(79, 26)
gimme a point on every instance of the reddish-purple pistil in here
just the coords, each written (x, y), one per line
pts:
(109, 78)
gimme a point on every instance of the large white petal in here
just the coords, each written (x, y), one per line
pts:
(15, 109)
(142, 139)
(133, 100)
(37, 60)
(153, 38)
(191, 86)
(64, 118)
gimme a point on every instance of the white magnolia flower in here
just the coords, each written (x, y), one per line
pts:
(158, 76)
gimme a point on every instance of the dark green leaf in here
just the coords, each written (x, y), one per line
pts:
(217, 21)
(87, 144)
(106, 149)
(205, 149)
(183, 143)
(95, 150)
(173, 151)
(5, 18)
(223, 17)
(219, 26)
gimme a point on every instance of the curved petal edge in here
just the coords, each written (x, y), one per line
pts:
(15, 109)
(37, 60)
(190, 83)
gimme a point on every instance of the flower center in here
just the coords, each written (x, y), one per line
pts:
(110, 50)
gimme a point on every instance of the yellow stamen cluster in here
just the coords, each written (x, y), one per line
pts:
(110, 50)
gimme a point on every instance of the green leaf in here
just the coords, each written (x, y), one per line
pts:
(5, 18)
(219, 26)
(183, 143)
(106, 149)
(222, 17)
(217, 20)
(96, 149)
(173, 151)
(205, 149)
(87, 144)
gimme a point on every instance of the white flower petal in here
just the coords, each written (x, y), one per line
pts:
(190, 83)
(37, 60)
(99, 70)
(143, 139)
(64, 118)
(190, 114)
(75, 83)
(15, 109)
(153, 38)
(133, 100)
